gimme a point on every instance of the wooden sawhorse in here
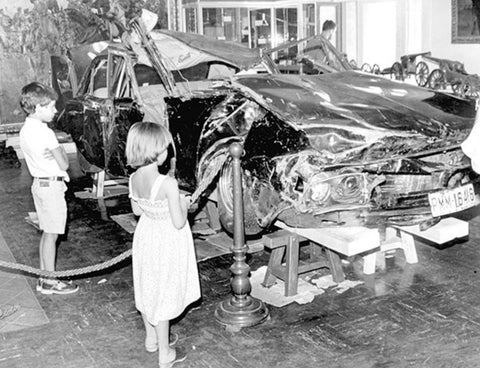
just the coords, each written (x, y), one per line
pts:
(347, 241)
(285, 243)
(403, 237)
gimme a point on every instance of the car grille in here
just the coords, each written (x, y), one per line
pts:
(408, 191)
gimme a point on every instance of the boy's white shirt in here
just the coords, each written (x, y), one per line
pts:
(35, 138)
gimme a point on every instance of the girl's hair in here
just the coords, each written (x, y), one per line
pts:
(145, 142)
(34, 94)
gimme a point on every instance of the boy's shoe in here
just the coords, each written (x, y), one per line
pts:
(49, 287)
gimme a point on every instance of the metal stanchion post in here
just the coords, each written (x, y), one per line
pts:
(240, 309)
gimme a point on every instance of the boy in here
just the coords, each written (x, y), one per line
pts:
(47, 162)
(328, 29)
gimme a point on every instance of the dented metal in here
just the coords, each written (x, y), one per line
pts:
(320, 150)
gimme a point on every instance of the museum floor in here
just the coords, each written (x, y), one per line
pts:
(423, 315)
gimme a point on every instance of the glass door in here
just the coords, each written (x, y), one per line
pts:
(330, 11)
(286, 30)
(191, 21)
(261, 34)
(308, 14)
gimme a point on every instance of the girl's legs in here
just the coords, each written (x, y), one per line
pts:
(165, 353)
(150, 335)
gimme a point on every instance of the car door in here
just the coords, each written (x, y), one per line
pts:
(98, 119)
(121, 108)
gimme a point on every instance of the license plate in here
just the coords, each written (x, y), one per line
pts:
(452, 200)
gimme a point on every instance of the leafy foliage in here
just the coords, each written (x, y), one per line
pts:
(47, 27)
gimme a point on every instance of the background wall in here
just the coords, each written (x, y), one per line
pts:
(437, 36)
(417, 26)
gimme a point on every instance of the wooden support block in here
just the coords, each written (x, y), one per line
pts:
(348, 241)
(98, 183)
(335, 266)
(446, 230)
(101, 185)
(212, 215)
(286, 243)
(277, 239)
(292, 253)
(408, 246)
(369, 263)
(275, 260)
(392, 242)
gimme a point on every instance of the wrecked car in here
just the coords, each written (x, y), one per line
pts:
(342, 148)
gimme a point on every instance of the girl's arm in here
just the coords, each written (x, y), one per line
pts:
(177, 204)
(137, 211)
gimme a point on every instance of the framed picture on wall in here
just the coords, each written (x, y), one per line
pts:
(465, 21)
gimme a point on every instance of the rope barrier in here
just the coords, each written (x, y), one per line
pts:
(219, 161)
(67, 273)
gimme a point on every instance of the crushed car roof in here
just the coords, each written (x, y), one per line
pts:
(179, 50)
(177, 45)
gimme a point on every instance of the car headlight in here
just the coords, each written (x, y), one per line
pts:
(345, 187)
(317, 189)
(349, 188)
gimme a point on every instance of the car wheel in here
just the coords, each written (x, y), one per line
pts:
(225, 203)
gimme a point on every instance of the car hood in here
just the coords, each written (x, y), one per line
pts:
(350, 110)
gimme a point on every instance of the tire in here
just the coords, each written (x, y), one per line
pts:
(421, 74)
(366, 68)
(457, 89)
(437, 80)
(468, 89)
(225, 203)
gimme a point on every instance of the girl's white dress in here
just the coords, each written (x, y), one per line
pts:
(165, 273)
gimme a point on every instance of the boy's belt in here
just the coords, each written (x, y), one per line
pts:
(52, 178)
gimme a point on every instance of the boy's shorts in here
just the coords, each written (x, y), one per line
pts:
(50, 204)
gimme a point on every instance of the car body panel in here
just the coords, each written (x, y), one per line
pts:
(320, 150)
(345, 112)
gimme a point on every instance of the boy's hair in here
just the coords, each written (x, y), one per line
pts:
(34, 94)
(145, 142)
(328, 25)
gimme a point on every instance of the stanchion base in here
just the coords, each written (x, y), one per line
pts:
(234, 317)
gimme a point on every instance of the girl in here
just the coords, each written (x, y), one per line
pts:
(165, 275)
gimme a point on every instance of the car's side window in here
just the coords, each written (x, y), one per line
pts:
(98, 80)
(220, 71)
(146, 75)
